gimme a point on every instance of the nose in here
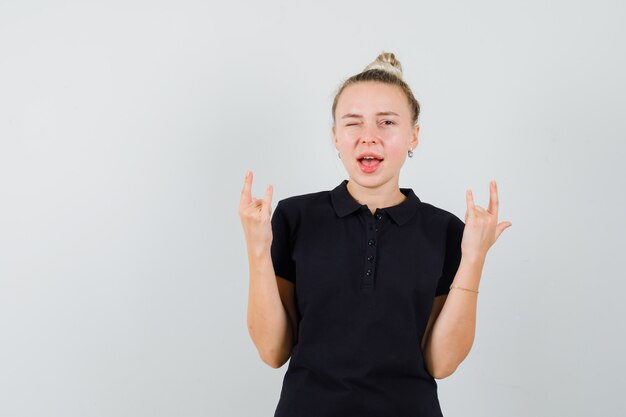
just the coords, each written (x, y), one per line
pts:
(368, 136)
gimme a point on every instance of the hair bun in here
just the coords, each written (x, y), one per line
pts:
(386, 61)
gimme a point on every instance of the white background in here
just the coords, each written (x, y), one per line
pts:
(126, 129)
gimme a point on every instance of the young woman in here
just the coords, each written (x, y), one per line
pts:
(354, 284)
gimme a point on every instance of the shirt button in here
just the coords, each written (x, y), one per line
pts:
(370, 258)
(371, 242)
(369, 272)
(379, 216)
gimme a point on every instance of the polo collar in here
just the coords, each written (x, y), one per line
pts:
(344, 204)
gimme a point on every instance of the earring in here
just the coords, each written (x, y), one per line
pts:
(410, 153)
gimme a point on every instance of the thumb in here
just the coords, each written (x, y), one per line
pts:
(501, 227)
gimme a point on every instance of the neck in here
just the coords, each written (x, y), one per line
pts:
(381, 196)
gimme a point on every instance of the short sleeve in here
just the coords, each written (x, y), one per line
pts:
(452, 259)
(281, 249)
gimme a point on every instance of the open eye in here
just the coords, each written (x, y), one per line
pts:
(390, 122)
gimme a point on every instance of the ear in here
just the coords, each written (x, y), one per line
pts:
(414, 140)
(334, 133)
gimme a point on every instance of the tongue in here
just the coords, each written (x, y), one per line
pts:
(370, 162)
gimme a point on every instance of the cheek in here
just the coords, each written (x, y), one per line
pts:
(396, 144)
(398, 152)
(345, 141)
(393, 142)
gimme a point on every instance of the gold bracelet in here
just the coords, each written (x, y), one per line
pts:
(461, 288)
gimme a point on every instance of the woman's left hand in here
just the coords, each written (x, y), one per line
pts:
(481, 226)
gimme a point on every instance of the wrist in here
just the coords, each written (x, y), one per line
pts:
(469, 272)
(258, 253)
(474, 258)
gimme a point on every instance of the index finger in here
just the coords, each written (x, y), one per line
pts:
(246, 193)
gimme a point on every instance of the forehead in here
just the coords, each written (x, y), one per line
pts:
(372, 97)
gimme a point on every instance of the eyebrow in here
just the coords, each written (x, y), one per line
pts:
(381, 113)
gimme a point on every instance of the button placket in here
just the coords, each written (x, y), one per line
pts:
(368, 274)
(375, 222)
(379, 218)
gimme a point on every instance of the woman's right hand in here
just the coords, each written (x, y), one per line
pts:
(255, 218)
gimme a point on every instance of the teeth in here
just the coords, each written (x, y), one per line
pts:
(368, 157)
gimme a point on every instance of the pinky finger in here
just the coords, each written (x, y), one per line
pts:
(469, 197)
(267, 201)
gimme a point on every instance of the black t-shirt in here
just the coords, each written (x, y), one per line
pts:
(364, 289)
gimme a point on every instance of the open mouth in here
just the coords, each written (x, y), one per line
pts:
(369, 164)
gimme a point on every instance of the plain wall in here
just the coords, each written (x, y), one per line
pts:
(126, 129)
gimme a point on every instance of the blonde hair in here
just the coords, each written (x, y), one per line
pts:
(385, 69)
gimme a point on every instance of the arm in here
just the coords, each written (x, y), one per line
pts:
(453, 330)
(269, 323)
(452, 333)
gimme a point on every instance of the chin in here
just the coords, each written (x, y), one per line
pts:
(369, 181)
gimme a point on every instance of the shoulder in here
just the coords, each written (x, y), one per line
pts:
(301, 202)
(297, 207)
(432, 213)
